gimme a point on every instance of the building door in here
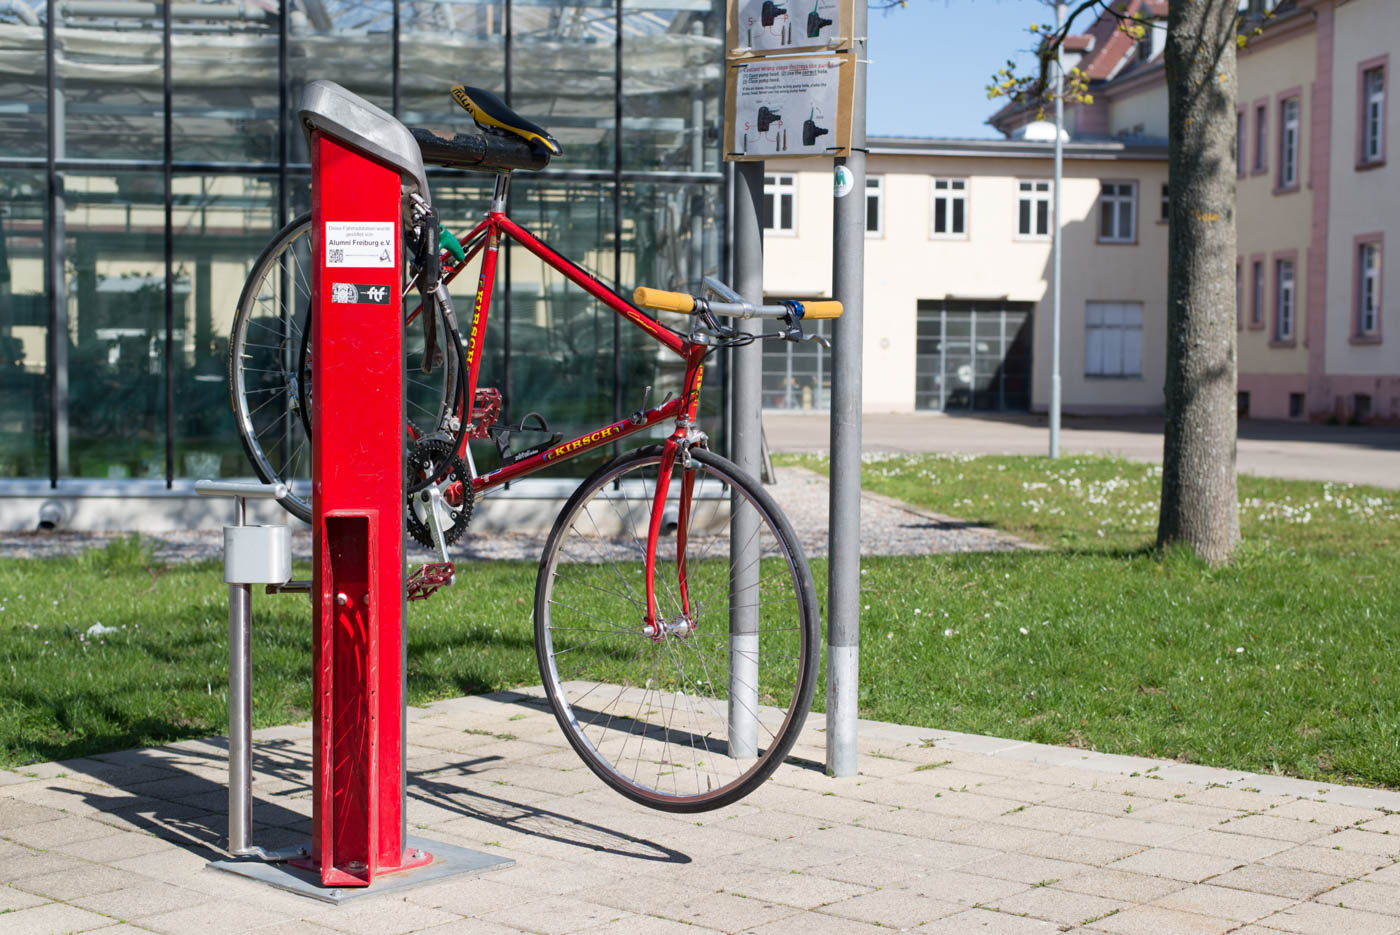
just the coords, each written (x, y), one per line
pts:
(973, 356)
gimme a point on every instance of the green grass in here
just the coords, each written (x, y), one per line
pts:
(1283, 661)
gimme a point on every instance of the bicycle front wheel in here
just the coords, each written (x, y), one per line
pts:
(269, 367)
(693, 705)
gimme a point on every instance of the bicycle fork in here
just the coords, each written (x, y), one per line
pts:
(654, 623)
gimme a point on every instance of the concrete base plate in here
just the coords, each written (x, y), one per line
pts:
(448, 860)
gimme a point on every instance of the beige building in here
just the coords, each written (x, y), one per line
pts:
(958, 250)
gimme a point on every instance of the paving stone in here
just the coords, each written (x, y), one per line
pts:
(1108, 803)
(1224, 902)
(29, 863)
(1136, 831)
(1365, 842)
(817, 923)
(892, 909)
(1001, 837)
(1203, 817)
(868, 870)
(629, 925)
(68, 885)
(937, 855)
(1155, 920)
(114, 847)
(50, 834)
(1221, 797)
(1312, 918)
(1383, 824)
(17, 813)
(12, 899)
(139, 900)
(1023, 869)
(1272, 826)
(1120, 884)
(1082, 850)
(800, 890)
(1045, 818)
(1278, 881)
(966, 888)
(1176, 865)
(1365, 895)
(987, 922)
(1055, 905)
(51, 919)
(1327, 860)
(213, 917)
(551, 915)
(1220, 843)
(1388, 874)
(1325, 813)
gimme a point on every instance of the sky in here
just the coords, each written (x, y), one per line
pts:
(931, 61)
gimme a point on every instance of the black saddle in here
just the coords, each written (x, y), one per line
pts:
(492, 115)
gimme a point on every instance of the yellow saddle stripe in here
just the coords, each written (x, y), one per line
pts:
(479, 114)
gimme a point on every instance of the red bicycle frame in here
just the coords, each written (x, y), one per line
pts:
(487, 237)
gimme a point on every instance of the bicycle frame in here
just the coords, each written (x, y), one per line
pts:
(486, 239)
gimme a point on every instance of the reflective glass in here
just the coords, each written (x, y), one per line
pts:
(445, 43)
(672, 84)
(350, 42)
(564, 76)
(115, 275)
(221, 224)
(224, 83)
(24, 327)
(111, 75)
(23, 99)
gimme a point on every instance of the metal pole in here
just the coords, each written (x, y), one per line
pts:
(240, 708)
(1055, 243)
(746, 379)
(843, 571)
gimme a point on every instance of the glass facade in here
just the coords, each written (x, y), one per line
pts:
(146, 161)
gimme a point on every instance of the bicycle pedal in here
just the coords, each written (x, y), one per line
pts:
(429, 578)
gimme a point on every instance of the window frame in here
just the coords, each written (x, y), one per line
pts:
(1258, 290)
(1277, 338)
(1164, 210)
(1259, 165)
(1380, 63)
(1141, 323)
(1359, 333)
(1239, 293)
(1241, 143)
(1292, 96)
(1033, 196)
(1117, 199)
(950, 194)
(778, 188)
(877, 190)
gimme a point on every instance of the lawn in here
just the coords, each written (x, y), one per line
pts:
(1282, 662)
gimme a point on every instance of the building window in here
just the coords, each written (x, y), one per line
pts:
(1372, 116)
(1113, 339)
(1164, 211)
(1368, 289)
(874, 206)
(1118, 212)
(1256, 294)
(1033, 209)
(797, 375)
(1239, 294)
(1261, 138)
(1240, 150)
(1284, 300)
(1288, 143)
(950, 208)
(779, 202)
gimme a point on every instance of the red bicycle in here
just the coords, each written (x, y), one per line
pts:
(676, 622)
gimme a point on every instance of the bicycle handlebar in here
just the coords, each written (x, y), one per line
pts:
(685, 304)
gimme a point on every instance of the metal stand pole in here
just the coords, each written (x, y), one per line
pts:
(843, 572)
(1055, 246)
(240, 716)
(747, 427)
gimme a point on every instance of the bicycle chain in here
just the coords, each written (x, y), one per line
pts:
(423, 461)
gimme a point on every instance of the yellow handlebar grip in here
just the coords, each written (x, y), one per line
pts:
(664, 301)
(821, 309)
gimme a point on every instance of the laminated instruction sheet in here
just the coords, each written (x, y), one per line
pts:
(786, 106)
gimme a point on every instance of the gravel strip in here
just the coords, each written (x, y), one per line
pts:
(887, 527)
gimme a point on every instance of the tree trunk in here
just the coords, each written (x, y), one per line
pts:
(1199, 505)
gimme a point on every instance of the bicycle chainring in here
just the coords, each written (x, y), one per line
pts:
(424, 459)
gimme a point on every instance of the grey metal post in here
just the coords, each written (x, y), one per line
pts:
(1055, 243)
(745, 448)
(843, 571)
(240, 708)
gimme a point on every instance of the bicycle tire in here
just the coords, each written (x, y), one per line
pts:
(587, 632)
(269, 374)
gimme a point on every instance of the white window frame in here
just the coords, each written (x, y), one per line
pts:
(779, 186)
(1034, 192)
(949, 190)
(1290, 141)
(1373, 115)
(875, 188)
(1117, 195)
(1113, 340)
(1368, 296)
(1285, 298)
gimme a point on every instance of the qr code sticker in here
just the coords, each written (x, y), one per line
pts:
(337, 255)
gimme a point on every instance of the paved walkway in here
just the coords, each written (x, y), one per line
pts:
(950, 834)
(1341, 453)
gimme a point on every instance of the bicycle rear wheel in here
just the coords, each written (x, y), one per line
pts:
(269, 367)
(699, 712)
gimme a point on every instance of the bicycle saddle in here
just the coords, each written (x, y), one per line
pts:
(491, 113)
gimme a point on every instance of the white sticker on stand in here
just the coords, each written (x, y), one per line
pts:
(845, 181)
(360, 243)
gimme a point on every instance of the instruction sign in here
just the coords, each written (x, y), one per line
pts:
(767, 26)
(360, 243)
(789, 107)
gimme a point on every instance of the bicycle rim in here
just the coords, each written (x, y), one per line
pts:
(269, 375)
(698, 713)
